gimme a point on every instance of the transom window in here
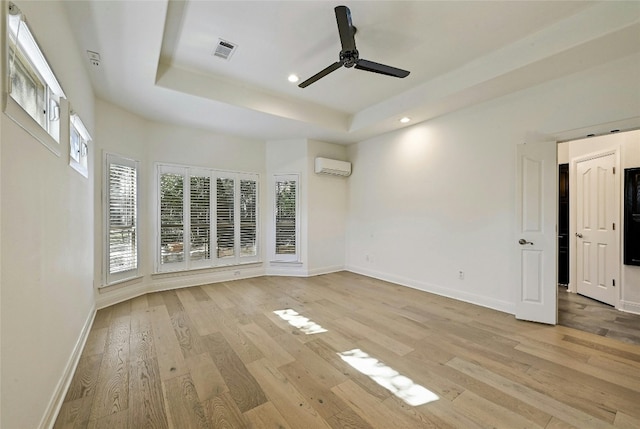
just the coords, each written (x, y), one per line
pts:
(34, 91)
(79, 139)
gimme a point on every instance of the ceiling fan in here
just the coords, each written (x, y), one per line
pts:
(349, 56)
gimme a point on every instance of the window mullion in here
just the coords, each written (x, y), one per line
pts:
(236, 217)
(186, 222)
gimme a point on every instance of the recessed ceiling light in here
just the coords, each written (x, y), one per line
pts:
(293, 78)
(405, 119)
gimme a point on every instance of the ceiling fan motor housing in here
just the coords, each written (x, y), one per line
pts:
(349, 58)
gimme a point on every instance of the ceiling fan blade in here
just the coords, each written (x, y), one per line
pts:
(345, 28)
(333, 67)
(380, 68)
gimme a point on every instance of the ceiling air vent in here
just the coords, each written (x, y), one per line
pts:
(224, 49)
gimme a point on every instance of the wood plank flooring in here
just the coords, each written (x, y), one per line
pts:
(586, 314)
(217, 356)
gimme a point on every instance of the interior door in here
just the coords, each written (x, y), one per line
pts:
(535, 241)
(597, 250)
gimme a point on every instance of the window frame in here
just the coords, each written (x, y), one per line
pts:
(22, 47)
(121, 276)
(286, 257)
(79, 158)
(214, 260)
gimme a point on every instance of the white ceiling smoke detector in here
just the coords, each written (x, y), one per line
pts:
(224, 49)
(94, 58)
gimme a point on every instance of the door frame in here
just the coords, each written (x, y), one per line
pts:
(573, 202)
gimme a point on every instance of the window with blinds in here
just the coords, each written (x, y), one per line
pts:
(248, 221)
(122, 218)
(225, 214)
(194, 214)
(200, 227)
(286, 218)
(171, 217)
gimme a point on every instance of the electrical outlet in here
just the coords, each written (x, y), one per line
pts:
(461, 275)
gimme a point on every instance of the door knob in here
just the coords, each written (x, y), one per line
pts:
(578, 235)
(522, 241)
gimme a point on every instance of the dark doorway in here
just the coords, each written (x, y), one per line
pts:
(563, 224)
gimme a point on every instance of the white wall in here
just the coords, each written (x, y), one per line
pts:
(430, 200)
(327, 211)
(47, 242)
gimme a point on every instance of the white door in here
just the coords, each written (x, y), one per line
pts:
(596, 234)
(535, 240)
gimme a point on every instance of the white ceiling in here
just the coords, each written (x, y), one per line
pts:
(157, 58)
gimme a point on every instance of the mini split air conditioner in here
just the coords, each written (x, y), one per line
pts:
(333, 167)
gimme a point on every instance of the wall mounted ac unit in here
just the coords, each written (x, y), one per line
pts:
(333, 167)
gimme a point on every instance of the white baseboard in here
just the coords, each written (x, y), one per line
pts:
(53, 408)
(630, 307)
(108, 298)
(175, 280)
(298, 271)
(483, 301)
(325, 270)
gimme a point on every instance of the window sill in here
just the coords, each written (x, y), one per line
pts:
(286, 263)
(121, 282)
(203, 270)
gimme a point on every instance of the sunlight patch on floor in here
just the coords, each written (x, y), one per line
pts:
(304, 324)
(401, 386)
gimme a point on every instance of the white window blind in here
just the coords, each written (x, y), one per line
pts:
(225, 217)
(248, 220)
(122, 217)
(206, 218)
(171, 217)
(200, 228)
(286, 218)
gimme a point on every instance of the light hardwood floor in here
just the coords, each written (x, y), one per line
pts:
(586, 314)
(217, 356)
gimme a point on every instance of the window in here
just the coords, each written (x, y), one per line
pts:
(286, 218)
(187, 198)
(79, 139)
(172, 217)
(225, 217)
(121, 218)
(248, 220)
(200, 227)
(34, 92)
